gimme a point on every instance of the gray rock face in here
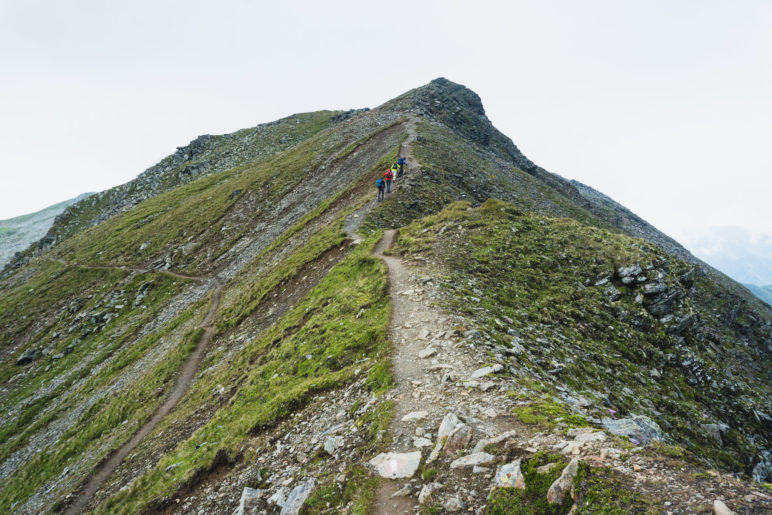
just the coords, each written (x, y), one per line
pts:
(639, 427)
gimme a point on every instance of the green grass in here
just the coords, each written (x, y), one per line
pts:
(282, 380)
(103, 422)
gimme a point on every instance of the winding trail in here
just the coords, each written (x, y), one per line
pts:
(187, 374)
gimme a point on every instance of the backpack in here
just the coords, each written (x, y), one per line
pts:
(379, 183)
(401, 161)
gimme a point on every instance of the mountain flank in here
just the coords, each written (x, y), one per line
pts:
(16, 234)
(244, 328)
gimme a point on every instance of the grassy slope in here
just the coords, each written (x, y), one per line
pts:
(280, 375)
(607, 348)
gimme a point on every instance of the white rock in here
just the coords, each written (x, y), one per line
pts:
(421, 442)
(423, 334)
(484, 371)
(448, 424)
(562, 485)
(719, 508)
(510, 476)
(586, 434)
(480, 445)
(415, 415)
(249, 500)
(395, 465)
(427, 352)
(453, 505)
(470, 460)
(427, 491)
(332, 444)
(297, 497)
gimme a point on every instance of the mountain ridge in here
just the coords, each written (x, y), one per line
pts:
(547, 328)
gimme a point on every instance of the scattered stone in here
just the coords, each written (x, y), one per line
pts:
(481, 444)
(423, 334)
(586, 434)
(453, 505)
(250, 500)
(395, 465)
(297, 497)
(719, 508)
(405, 491)
(562, 485)
(448, 424)
(332, 444)
(427, 352)
(427, 491)
(458, 438)
(421, 442)
(482, 372)
(28, 357)
(414, 416)
(613, 293)
(470, 460)
(510, 476)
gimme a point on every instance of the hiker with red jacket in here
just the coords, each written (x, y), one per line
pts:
(389, 176)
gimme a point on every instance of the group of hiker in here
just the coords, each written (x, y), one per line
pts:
(384, 183)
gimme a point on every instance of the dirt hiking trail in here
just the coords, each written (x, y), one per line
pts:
(187, 374)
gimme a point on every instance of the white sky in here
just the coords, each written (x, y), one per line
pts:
(666, 106)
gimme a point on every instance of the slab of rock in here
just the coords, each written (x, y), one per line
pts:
(421, 442)
(510, 476)
(427, 491)
(332, 444)
(562, 485)
(719, 508)
(423, 334)
(427, 352)
(415, 415)
(394, 465)
(453, 505)
(297, 497)
(640, 427)
(586, 434)
(447, 426)
(470, 460)
(484, 371)
(458, 439)
(480, 445)
(251, 499)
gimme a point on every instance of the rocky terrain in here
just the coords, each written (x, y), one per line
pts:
(244, 328)
(16, 234)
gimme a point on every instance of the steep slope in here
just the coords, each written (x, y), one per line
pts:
(16, 234)
(262, 270)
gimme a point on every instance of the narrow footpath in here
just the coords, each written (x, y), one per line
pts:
(187, 374)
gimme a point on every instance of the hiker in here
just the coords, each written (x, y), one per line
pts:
(400, 163)
(380, 184)
(389, 176)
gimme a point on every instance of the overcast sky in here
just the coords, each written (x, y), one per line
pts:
(666, 106)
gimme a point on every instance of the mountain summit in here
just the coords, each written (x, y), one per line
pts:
(245, 327)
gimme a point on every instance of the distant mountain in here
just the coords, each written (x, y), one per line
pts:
(16, 234)
(745, 257)
(762, 292)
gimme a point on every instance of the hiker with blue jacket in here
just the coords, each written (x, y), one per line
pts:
(401, 163)
(381, 186)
